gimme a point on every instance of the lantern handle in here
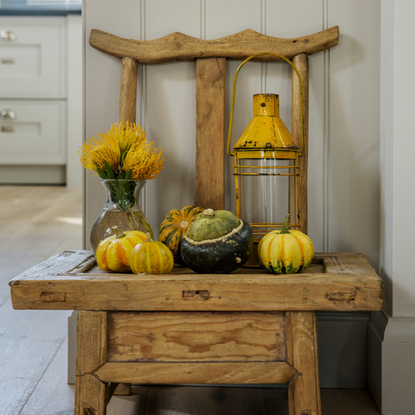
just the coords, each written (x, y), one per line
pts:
(231, 153)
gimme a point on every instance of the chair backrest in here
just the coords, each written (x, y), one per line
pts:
(211, 58)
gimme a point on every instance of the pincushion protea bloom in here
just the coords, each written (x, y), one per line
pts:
(144, 161)
(122, 153)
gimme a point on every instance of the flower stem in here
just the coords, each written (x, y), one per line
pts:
(147, 227)
(130, 218)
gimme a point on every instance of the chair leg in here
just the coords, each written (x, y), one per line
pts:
(123, 389)
(90, 393)
(90, 396)
(302, 353)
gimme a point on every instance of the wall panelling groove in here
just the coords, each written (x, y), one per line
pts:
(170, 106)
(326, 137)
(224, 19)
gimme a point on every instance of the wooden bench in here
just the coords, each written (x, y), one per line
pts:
(247, 327)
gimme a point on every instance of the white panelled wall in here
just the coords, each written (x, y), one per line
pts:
(392, 332)
(344, 133)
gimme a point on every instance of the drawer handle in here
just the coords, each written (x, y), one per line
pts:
(7, 35)
(7, 115)
(8, 61)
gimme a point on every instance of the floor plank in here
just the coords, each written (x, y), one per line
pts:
(12, 265)
(348, 401)
(28, 342)
(333, 402)
(43, 230)
(52, 396)
(35, 223)
(177, 400)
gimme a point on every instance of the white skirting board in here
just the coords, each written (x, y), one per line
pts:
(342, 347)
(392, 363)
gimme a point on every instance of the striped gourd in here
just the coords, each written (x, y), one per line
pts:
(175, 226)
(113, 253)
(151, 257)
(285, 252)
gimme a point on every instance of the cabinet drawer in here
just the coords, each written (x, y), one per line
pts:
(32, 57)
(32, 132)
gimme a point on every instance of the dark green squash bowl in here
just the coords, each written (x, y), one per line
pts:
(217, 243)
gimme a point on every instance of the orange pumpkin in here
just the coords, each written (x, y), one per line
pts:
(151, 257)
(175, 226)
(113, 253)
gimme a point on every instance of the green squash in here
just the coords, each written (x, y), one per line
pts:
(217, 242)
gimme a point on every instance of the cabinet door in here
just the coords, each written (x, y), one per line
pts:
(32, 57)
(32, 132)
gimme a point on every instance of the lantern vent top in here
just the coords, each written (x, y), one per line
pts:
(266, 131)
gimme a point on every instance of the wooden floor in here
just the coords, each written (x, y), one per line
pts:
(38, 222)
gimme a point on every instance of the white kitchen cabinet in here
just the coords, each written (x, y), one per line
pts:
(32, 57)
(32, 132)
(40, 99)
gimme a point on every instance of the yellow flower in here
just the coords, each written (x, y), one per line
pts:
(144, 161)
(98, 150)
(124, 148)
(126, 135)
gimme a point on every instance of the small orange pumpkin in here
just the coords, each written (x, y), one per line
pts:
(174, 227)
(113, 253)
(151, 257)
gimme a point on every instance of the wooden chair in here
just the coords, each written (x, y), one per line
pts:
(186, 328)
(210, 56)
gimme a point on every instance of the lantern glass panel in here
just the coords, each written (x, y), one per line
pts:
(265, 190)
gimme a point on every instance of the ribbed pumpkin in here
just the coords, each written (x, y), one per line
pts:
(151, 257)
(113, 253)
(285, 252)
(174, 227)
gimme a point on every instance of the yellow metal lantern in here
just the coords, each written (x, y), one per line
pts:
(266, 166)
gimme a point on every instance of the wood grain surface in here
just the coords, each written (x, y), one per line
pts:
(196, 373)
(178, 47)
(90, 396)
(301, 62)
(91, 393)
(92, 332)
(353, 264)
(196, 337)
(128, 90)
(233, 292)
(304, 389)
(210, 133)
